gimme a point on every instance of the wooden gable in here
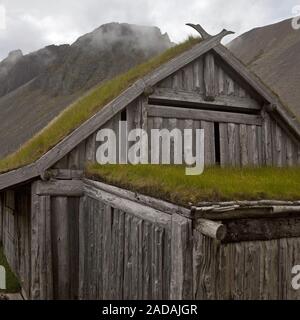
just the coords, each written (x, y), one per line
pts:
(205, 94)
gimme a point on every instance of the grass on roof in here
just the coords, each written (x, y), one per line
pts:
(215, 184)
(12, 282)
(84, 108)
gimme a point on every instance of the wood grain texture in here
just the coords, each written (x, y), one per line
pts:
(205, 115)
(181, 268)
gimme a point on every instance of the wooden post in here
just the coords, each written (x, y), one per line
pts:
(41, 257)
(181, 258)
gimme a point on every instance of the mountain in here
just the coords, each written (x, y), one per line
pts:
(36, 87)
(272, 52)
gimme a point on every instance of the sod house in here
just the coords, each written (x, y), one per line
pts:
(68, 236)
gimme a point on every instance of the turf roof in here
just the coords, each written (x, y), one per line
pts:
(80, 111)
(169, 182)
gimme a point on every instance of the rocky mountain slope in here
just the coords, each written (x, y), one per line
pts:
(34, 88)
(272, 52)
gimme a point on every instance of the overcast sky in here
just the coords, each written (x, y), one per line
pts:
(33, 24)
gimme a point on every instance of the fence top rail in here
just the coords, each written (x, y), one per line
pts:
(119, 201)
(161, 205)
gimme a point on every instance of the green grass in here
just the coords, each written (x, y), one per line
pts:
(84, 108)
(215, 184)
(12, 282)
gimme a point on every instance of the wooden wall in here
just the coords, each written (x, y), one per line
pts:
(15, 232)
(246, 270)
(200, 96)
(84, 241)
(122, 255)
(55, 240)
(197, 75)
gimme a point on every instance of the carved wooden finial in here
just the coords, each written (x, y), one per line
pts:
(205, 35)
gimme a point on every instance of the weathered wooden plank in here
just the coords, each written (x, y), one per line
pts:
(90, 148)
(289, 153)
(229, 85)
(284, 269)
(260, 156)
(244, 145)
(134, 258)
(45, 245)
(189, 77)
(120, 256)
(129, 207)
(164, 206)
(98, 248)
(194, 99)
(181, 263)
(71, 188)
(278, 146)
(233, 145)
(238, 271)
(82, 247)
(19, 175)
(91, 262)
(140, 259)
(74, 158)
(261, 229)
(204, 255)
(224, 146)
(294, 258)
(127, 258)
(223, 273)
(252, 274)
(147, 262)
(65, 174)
(209, 77)
(157, 262)
(254, 145)
(205, 115)
(198, 75)
(60, 244)
(73, 220)
(209, 142)
(107, 253)
(35, 261)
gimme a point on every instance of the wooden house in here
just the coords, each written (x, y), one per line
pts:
(69, 237)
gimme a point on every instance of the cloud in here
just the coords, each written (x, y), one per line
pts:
(33, 24)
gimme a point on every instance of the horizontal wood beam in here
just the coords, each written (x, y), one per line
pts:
(205, 115)
(155, 203)
(185, 98)
(249, 213)
(65, 174)
(261, 229)
(131, 207)
(71, 188)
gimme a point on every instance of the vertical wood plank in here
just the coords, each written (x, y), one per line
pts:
(60, 244)
(209, 142)
(209, 76)
(181, 264)
(224, 145)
